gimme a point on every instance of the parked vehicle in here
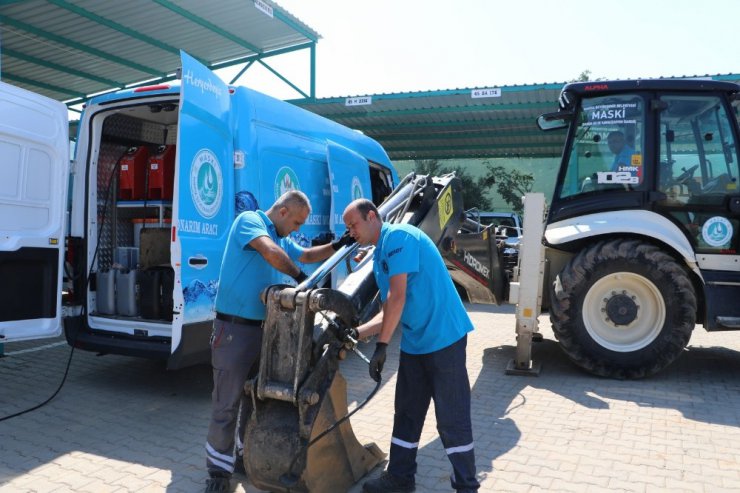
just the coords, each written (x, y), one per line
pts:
(643, 230)
(641, 237)
(159, 174)
(508, 229)
(509, 224)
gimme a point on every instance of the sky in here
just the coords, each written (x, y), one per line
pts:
(388, 46)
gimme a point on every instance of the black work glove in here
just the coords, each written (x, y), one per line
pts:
(300, 277)
(378, 360)
(343, 240)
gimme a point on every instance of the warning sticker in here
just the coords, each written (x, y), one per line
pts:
(445, 207)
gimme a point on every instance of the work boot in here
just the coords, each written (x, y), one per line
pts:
(388, 483)
(239, 466)
(218, 483)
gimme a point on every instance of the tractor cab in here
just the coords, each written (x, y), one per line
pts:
(669, 146)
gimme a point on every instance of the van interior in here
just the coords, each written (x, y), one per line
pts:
(132, 173)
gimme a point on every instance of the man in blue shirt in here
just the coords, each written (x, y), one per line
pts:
(257, 250)
(418, 295)
(621, 150)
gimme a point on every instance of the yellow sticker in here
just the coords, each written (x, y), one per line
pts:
(53, 241)
(445, 207)
(636, 159)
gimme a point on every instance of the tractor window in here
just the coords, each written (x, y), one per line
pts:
(607, 151)
(698, 153)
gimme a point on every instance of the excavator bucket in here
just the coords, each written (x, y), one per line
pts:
(473, 259)
(333, 464)
(300, 394)
(474, 262)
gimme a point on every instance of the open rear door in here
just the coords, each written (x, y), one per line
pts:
(34, 166)
(349, 176)
(203, 205)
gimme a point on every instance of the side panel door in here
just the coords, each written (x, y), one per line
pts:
(349, 178)
(698, 177)
(34, 169)
(203, 204)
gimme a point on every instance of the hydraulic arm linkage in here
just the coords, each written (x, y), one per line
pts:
(299, 392)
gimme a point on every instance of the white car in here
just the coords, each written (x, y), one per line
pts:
(508, 229)
(507, 223)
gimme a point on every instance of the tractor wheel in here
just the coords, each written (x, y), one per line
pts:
(623, 309)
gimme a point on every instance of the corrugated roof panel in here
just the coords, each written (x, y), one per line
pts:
(453, 123)
(84, 46)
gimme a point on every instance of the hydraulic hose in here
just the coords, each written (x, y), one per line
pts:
(84, 305)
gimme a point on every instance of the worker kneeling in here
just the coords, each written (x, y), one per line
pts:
(417, 293)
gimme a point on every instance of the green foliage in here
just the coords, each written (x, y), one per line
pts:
(511, 185)
(585, 76)
(474, 189)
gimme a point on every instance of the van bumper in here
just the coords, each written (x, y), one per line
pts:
(193, 348)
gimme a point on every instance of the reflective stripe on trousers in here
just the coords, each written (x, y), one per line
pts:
(443, 377)
(235, 351)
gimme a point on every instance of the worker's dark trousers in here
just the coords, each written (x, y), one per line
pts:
(441, 376)
(235, 351)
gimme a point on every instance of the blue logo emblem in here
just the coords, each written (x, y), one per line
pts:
(717, 231)
(285, 181)
(356, 189)
(206, 183)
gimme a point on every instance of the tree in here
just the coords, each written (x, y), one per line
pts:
(511, 185)
(585, 76)
(474, 189)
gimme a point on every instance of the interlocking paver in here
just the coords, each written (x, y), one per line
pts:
(127, 425)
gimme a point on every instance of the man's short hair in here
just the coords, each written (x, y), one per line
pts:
(365, 206)
(293, 199)
(616, 133)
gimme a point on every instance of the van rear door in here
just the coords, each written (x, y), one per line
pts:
(34, 170)
(203, 205)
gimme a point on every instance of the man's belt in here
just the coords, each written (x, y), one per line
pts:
(233, 319)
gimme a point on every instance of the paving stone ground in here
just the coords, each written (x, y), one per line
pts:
(124, 424)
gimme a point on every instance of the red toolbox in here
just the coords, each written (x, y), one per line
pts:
(132, 174)
(162, 173)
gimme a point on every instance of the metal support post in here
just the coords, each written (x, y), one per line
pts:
(527, 293)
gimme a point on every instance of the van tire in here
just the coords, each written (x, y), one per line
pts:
(622, 308)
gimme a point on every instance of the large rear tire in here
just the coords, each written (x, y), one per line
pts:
(623, 309)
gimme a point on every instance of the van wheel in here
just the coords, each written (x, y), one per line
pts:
(623, 309)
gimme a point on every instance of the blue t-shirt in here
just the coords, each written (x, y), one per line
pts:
(244, 272)
(624, 158)
(433, 316)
